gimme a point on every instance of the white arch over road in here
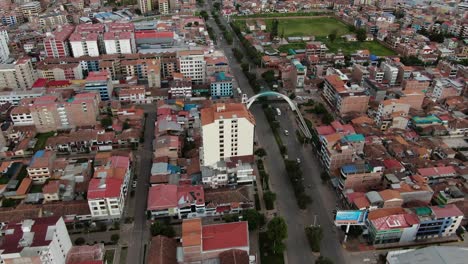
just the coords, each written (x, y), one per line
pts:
(302, 124)
(252, 99)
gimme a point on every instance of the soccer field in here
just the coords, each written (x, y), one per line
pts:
(316, 26)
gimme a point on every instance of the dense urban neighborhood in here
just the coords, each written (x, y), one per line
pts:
(233, 132)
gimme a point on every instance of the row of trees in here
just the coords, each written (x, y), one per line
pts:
(295, 176)
(237, 54)
(251, 51)
(226, 33)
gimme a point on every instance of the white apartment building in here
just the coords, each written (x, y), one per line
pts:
(135, 94)
(180, 89)
(84, 45)
(14, 97)
(41, 166)
(145, 6)
(21, 116)
(390, 73)
(119, 43)
(227, 173)
(444, 87)
(108, 188)
(18, 75)
(392, 114)
(163, 7)
(41, 240)
(31, 8)
(192, 65)
(4, 50)
(227, 132)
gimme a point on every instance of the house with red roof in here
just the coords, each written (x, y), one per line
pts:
(108, 188)
(173, 200)
(210, 241)
(437, 172)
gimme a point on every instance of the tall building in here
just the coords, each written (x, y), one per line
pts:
(50, 114)
(108, 188)
(56, 43)
(87, 40)
(145, 6)
(31, 8)
(4, 50)
(119, 43)
(192, 65)
(390, 73)
(343, 97)
(120, 38)
(100, 82)
(163, 7)
(227, 132)
(57, 72)
(18, 74)
(41, 240)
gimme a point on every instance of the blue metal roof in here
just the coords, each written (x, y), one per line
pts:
(350, 168)
(38, 154)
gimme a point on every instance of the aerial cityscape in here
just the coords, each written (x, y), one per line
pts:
(233, 131)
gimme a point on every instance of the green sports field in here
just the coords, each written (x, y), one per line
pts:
(315, 26)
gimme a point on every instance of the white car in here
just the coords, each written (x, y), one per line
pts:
(286, 132)
(298, 160)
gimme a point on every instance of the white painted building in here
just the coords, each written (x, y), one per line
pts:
(41, 240)
(163, 7)
(227, 132)
(4, 50)
(192, 65)
(108, 188)
(17, 75)
(390, 73)
(119, 43)
(84, 45)
(13, 97)
(21, 116)
(227, 173)
(180, 89)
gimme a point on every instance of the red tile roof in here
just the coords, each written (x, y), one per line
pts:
(162, 196)
(153, 34)
(104, 188)
(436, 171)
(225, 236)
(448, 210)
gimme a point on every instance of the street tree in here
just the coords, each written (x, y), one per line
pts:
(160, 228)
(115, 238)
(314, 236)
(269, 76)
(260, 152)
(270, 198)
(323, 260)
(274, 28)
(254, 218)
(361, 35)
(79, 241)
(106, 122)
(277, 232)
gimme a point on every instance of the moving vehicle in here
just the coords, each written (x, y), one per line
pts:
(278, 111)
(286, 132)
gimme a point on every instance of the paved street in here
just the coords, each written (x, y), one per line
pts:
(140, 233)
(298, 250)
